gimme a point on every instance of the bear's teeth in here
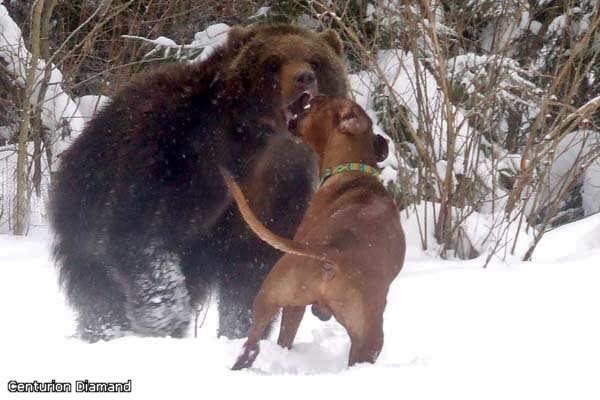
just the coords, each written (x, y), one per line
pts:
(295, 116)
(306, 107)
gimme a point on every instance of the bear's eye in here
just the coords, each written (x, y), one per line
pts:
(272, 64)
(315, 64)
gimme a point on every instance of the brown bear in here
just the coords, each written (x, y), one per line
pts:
(144, 227)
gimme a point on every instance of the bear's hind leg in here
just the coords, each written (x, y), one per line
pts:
(100, 309)
(97, 299)
(103, 321)
(157, 299)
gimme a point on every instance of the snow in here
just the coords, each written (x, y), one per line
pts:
(8, 184)
(209, 39)
(164, 41)
(12, 48)
(452, 330)
(261, 12)
(7, 131)
(58, 107)
(203, 45)
(579, 237)
(590, 191)
(402, 73)
(502, 32)
(576, 149)
(535, 27)
(87, 106)
(405, 74)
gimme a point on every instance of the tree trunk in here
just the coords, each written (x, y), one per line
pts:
(40, 138)
(21, 203)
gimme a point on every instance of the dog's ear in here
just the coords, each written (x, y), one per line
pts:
(353, 124)
(380, 145)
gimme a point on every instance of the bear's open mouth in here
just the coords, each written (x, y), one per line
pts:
(296, 110)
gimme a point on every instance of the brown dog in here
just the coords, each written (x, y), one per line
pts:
(350, 245)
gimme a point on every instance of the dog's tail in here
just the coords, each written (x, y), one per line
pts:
(325, 253)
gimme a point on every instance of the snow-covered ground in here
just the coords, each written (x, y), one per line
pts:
(453, 330)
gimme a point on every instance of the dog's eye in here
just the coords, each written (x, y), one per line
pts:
(348, 116)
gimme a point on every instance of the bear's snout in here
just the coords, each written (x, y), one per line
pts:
(305, 80)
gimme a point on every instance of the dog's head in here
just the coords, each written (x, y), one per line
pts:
(337, 124)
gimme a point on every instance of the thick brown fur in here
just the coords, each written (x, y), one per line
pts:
(144, 226)
(348, 248)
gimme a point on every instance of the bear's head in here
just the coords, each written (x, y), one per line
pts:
(273, 65)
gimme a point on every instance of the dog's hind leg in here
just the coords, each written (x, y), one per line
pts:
(263, 313)
(363, 321)
(290, 322)
(366, 344)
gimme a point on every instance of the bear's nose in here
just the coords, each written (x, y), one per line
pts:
(304, 79)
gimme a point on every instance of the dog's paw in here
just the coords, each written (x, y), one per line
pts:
(246, 359)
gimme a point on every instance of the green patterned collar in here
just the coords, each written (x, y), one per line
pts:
(347, 167)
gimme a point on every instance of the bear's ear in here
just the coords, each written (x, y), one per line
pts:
(238, 36)
(333, 40)
(380, 145)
